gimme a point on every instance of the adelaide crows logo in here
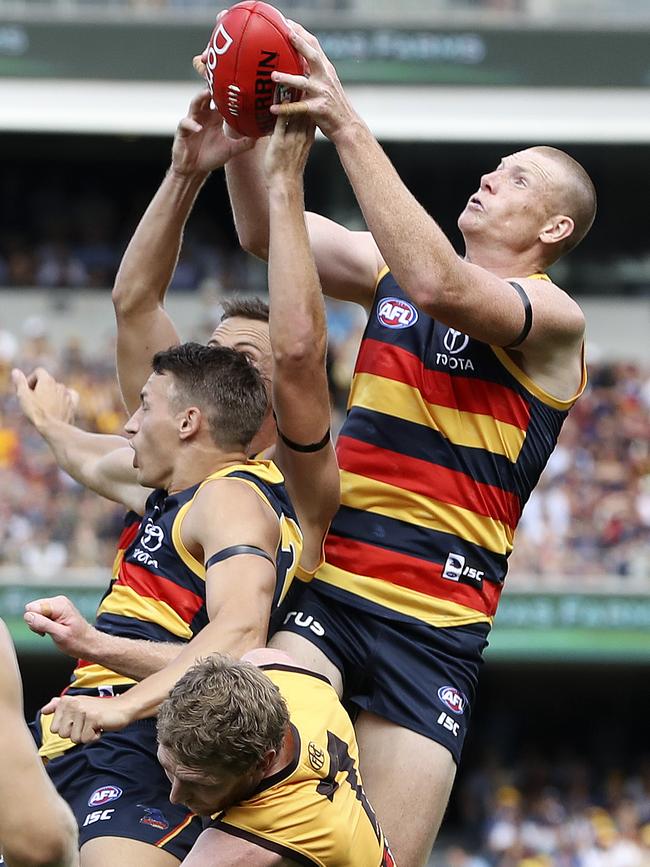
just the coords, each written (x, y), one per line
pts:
(154, 818)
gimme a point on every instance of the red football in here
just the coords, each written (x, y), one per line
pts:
(249, 42)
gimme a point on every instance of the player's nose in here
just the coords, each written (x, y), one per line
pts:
(489, 182)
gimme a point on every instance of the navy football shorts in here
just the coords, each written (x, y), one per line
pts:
(418, 676)
(116, 788)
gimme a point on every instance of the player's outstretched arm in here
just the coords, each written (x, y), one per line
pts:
(347, 262)
(73, 635)
(36, 827)
(99, 462)
(422, 259)
(143, 325)
(239, 592)
(298, 330)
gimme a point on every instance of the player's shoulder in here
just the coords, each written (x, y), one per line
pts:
(553, 302)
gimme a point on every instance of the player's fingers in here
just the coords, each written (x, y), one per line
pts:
(201, 102)
(288, 109)
(307, 45)
(89, 733)
(42, 606)
(199, 65)
(39, 624)
(20, 381)
(299, 82)
(50, 707)
(188, 126)
(78, 727)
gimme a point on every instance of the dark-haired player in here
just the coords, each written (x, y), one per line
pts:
(113, 645)
(466, 372)
(214, 555)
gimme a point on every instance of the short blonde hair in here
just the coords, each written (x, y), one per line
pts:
(575, 196)
(223, 713)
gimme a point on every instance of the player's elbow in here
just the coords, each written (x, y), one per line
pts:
(253, 238)
(300, 354)
(46, 847)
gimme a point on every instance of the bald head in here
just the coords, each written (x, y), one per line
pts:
(573, 195)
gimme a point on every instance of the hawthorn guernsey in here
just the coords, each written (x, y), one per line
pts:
(250, 41)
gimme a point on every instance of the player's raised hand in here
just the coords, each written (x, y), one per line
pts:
(83, 718)
(286, 155)
(43, 399)
(57, 617)
(200, 145)
(323, 96)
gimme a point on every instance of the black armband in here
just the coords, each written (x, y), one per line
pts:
(235, 551)
(528, 320)
(298, 447)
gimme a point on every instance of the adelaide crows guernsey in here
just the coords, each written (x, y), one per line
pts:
(314, 811)
(158, 588)
(444, 440)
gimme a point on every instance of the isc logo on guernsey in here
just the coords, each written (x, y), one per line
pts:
(395, 313)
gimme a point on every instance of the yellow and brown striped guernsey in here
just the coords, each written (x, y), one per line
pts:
(444, 440)
(158, 589)
(315, 811)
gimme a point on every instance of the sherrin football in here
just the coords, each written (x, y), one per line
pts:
(249, 42)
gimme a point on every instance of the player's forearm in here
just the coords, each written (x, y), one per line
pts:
(148, 264)
(219, 636)
(130, 657)
(412, 244)
(297, 312)
(248, 199)
(75, 449)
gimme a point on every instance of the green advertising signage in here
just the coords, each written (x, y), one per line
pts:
(484, 58)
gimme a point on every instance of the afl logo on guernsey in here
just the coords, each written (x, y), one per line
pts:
(104, 795)
(454, 699)
(396, 313)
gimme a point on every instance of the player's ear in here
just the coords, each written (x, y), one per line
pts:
(556, 228)
(189, 422)
(268, 760)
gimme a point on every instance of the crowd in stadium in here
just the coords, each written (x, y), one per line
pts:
(588, 518)
(552, 813)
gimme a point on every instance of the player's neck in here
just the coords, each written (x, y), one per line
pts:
(195, 464)
(284, 755)
(502, 262)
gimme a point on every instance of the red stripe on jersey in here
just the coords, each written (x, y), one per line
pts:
(427, 479)
(127, 535)
(145, 583)
(410, 572)
(442, 389)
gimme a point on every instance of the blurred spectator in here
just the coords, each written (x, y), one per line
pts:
(588, 519)
(536, 820)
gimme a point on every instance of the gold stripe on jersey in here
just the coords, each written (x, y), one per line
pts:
(381, 498)
(52, 746)
(95, 675)
(266, 471)
(537, 390)
(430, 609)
(460, 427)
(191, 562)
(127, 602)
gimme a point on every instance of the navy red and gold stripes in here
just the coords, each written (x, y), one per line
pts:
(444, 440)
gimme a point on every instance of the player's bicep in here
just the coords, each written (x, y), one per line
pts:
(139, 336)
(216, 848)
(348, 262)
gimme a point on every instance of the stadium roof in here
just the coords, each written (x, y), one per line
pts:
(395, 113)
